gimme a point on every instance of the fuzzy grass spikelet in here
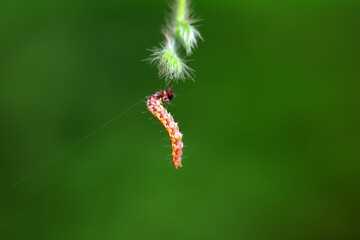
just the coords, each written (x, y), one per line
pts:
(170, 65)
(187, 34)
(179, 33)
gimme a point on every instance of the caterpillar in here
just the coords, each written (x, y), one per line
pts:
(154, 105)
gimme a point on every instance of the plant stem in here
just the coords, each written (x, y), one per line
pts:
(181, 10)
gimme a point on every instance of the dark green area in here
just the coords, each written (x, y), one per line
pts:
(271, 124)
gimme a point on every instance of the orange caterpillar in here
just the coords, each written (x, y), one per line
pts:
(154, 105)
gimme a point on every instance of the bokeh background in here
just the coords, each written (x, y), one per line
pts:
(271, 123)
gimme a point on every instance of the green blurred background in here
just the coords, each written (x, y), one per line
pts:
(271, 124)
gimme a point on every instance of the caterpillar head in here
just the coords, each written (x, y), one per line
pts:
(166, 96)
(163, 96)
(170, 94)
